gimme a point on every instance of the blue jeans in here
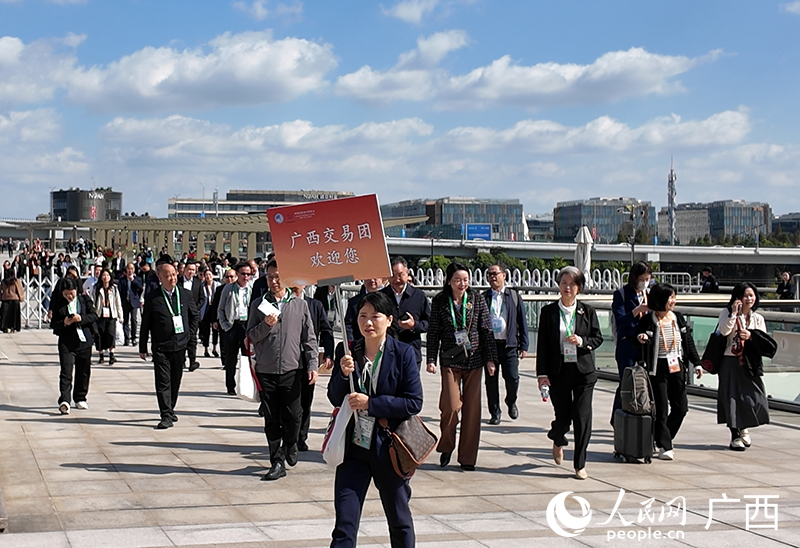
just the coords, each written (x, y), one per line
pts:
(508, 364)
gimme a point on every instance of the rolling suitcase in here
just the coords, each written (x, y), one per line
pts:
(633, 436)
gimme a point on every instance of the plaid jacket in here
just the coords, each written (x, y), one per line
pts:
(441, 333)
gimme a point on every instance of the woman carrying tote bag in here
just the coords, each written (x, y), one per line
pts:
(385, 375)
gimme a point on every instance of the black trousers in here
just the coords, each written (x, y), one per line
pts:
(168, 372)
(571, 394)
(669, 391)
(508, 364)
(81, 363)
(191, 348)
(352, 481)
(306, 400)
(130, 322)
(283, 412)
(234, 343)
(206, 332)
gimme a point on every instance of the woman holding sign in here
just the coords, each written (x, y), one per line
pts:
(568, 335)
(460, 334)
(386, 377)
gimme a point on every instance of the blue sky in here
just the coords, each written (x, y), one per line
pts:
(543, 101)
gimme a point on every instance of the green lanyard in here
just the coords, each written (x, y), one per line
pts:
(375, 365)
(463, 313)
(72, 307)
(569, 327)
(236, 296)
(169, 304)
(496, 312)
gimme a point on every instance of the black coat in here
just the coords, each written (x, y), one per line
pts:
(68, 334)
(322, 329)
(212, 312)
(517, 327)
(549, 358)
(648, 324)
(157, 321)
(413, 302)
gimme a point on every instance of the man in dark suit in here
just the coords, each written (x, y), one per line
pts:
(228, 277)
(510, 329)
(413, 308)
(191, 283)
(149, 278)
(130, 293)
(169, 316)
(118, 265)
(324, 334)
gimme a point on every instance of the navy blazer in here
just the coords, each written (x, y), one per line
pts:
(157, 321)
(130, 291)
(351, 317)
(517, 327)
(68, 334)
(624, 301)
(549, 358)
(414, 302)
(399, 389)
(322, 329)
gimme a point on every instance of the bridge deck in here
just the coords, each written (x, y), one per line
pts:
(104, 477)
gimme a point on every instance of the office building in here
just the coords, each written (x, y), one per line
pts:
(606, 218)
(540, 227)
(789, 223)
(74, 204)
(738, 218)
(448, 216)
(244, 202)
(691, 224)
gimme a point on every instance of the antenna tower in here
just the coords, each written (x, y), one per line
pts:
(671, 193)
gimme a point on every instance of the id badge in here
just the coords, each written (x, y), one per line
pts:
(365, 426)
(498, 324)
(570, 352)
(106, 312)
(177, 323)
(81, 334)
(461, 336)
(673, 363)
(331, 316)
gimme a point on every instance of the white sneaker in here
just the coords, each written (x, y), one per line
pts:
(745, 435)
(666, 455)
(64, 408)
(738, 445)
(81, 405)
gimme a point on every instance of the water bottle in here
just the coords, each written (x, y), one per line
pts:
(545, 392)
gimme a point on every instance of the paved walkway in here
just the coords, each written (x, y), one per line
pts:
(105, 477)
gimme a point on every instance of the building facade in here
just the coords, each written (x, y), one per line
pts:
(738, 218)
(448, 216)
(691, 224)
(243, 202)
(540, 227)
(101, 204)
(607, 218)
(789, 223)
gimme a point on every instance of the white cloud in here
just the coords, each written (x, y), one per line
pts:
(32, 73)
(613, 77)
(260, 10)
(241, 69)
(414, 77)
(792, 7)
(250, 68)
(411, 11)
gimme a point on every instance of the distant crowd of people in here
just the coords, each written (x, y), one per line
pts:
(235, 308)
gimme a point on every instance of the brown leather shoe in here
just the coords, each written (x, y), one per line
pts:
(558, 454)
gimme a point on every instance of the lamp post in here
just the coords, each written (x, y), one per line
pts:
(203, 211)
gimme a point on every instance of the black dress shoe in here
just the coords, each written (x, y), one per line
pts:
(194, 366)
(206, 354)
(468, 467)
(215, 353)
(174, 417)
(164, 424)
(513, 412)
(292, 455)
(112, 359)
(444, 459)
(231, 392)
(302, 445)
(494, 420)
(277, 471)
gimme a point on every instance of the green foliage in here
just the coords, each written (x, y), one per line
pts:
(558, 263)
(535, 263)
(483, 261)
(439, 261)
(511, 262)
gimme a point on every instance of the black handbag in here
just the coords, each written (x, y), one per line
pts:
(456, 355)
(714, 352)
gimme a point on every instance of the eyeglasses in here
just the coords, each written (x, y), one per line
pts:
(494, 274)
(244, 274)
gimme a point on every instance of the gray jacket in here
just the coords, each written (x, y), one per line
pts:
(226, 313)
(278, 348)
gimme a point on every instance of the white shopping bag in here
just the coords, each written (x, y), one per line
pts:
(246, 387)
(119, 333)
(334, 444)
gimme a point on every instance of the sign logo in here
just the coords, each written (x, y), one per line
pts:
(561, 521)
(279, 218)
